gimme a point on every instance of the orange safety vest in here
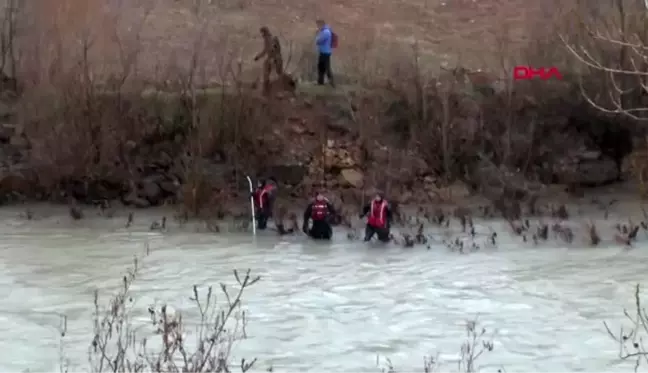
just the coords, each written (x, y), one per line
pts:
(261, 193)
(319, 210)
(378, 214)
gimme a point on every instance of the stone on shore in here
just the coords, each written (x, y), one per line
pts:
(352, 177)
(133, 199)
(589, 168)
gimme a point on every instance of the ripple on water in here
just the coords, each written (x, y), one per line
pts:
(324, 307)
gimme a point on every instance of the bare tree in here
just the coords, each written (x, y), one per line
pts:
(7, 45)
(612, 43)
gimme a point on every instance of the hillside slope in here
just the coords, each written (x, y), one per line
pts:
(372, 33)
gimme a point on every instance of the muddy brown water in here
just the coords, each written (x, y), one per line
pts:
(324, 307)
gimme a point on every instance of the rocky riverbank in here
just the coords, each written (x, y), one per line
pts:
(154, 149)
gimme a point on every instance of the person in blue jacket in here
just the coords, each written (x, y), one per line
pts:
(324, 42)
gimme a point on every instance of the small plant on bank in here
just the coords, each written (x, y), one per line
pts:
(478, 342)
(119, 345)
(631, 340)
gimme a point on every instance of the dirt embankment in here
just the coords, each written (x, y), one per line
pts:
(431, 145)
(113, 113)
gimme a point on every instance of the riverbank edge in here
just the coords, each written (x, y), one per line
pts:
(619, 200)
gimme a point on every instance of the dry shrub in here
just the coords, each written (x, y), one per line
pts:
(636, 166)
(121, 344)
(608, 45)
(95, 114)
(630, 339)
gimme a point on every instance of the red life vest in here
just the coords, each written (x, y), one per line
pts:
(319, 210)
(260, 194)
(378, 214)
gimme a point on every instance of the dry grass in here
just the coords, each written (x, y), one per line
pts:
(372, 34)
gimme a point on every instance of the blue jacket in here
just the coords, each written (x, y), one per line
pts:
(324, 39)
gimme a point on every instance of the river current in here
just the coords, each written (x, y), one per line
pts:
(321, 307)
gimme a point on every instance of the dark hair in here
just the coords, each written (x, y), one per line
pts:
(264, 30)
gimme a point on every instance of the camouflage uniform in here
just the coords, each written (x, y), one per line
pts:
(273, 59)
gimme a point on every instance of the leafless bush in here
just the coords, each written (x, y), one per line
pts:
(631, 340)
(93, 113)
(78, 111)
(120, 344)
(609, 42)
(451, 117)
(478, 342)
(8, 57)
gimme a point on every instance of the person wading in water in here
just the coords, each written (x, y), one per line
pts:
(379, 221)
(264, 197)
(320, 211)
(273, 58)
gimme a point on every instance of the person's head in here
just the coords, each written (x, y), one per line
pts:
(261, 183)
(265, 32)
(320, 23)
(378, 197)
(319, 196)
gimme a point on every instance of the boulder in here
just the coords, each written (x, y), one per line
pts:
(19, 141)
(133, 199)
(585, 169)
(151, 190)
(290, 174)
(404, 197)
(12, 183)
(7, 110)
(495, 181)
(170, 186)
(91, 190)
(454, 192)
(6, 133)
(351, 177)
(406, 165)
(340, 155)
(239, 210)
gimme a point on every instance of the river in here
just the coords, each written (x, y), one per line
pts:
(327, 307)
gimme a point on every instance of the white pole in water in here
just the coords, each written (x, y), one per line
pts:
(252, 205)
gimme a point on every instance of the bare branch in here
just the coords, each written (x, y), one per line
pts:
(619, 54)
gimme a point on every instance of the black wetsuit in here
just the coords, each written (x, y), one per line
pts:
(320, 212)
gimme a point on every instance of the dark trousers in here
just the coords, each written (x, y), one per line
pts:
(262, 217)
(271, 63)
(324, 68)
(321, 230)
(382, 233)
